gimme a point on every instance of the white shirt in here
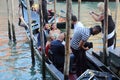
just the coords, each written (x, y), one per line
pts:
(77, 26)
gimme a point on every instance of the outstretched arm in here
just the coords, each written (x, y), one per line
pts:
(97, 17)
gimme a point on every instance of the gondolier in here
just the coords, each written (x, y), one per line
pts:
(80, 37)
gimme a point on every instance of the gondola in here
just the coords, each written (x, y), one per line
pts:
(96, 68)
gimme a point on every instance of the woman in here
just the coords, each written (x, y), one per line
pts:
(111, 37)
(54, 32)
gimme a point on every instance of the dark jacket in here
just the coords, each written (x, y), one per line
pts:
(45, 38)
(58, 50)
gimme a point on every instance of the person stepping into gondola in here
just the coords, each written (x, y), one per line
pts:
(78, 41)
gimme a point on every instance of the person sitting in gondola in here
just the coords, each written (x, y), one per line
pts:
(46, 34)
(54, 32)
(58, 50)
(50, 12)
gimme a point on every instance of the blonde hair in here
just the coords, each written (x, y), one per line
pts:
(101, 7)
(35, 6)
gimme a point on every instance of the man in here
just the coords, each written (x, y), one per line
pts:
(58, 50)
(46, 34)
(76, 24)
(78, 41)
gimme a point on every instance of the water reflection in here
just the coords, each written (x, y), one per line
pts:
(15, 63)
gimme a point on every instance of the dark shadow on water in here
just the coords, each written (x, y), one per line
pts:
(33, 72)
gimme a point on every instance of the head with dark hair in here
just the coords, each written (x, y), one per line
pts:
(53, 26)
(95, 30)
(74, 18)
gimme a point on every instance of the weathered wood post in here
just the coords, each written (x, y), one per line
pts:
(116, 18)
(79, 5)
(55, 1)
(67, 45)
(31, 34)
(116, 12)
(13, 27)
(105, 51)
(42, 40)
(9, 25)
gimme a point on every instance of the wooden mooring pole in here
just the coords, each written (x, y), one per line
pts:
(116, 19)
(9, 26)
(55, 10)
(105, 51)
(67, 45)
(13, 27)
(116, 13)
(42, 40)
(79, 5)
(31, 34)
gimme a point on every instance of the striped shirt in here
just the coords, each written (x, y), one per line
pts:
(81, 34)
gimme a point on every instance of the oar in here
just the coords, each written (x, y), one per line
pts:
(31, 34)
(79, 4)
(13, 27)
(42, 41)
(105, 52)
(67, 45)
(9, 27)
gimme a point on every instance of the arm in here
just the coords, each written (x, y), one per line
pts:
(97, 17)
(91, 12)
(81, 45)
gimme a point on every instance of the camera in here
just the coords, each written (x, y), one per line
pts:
(88, 44)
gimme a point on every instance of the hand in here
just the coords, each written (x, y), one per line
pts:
(91, 12)
(87, 48)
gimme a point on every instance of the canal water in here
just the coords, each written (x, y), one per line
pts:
(15, 60)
